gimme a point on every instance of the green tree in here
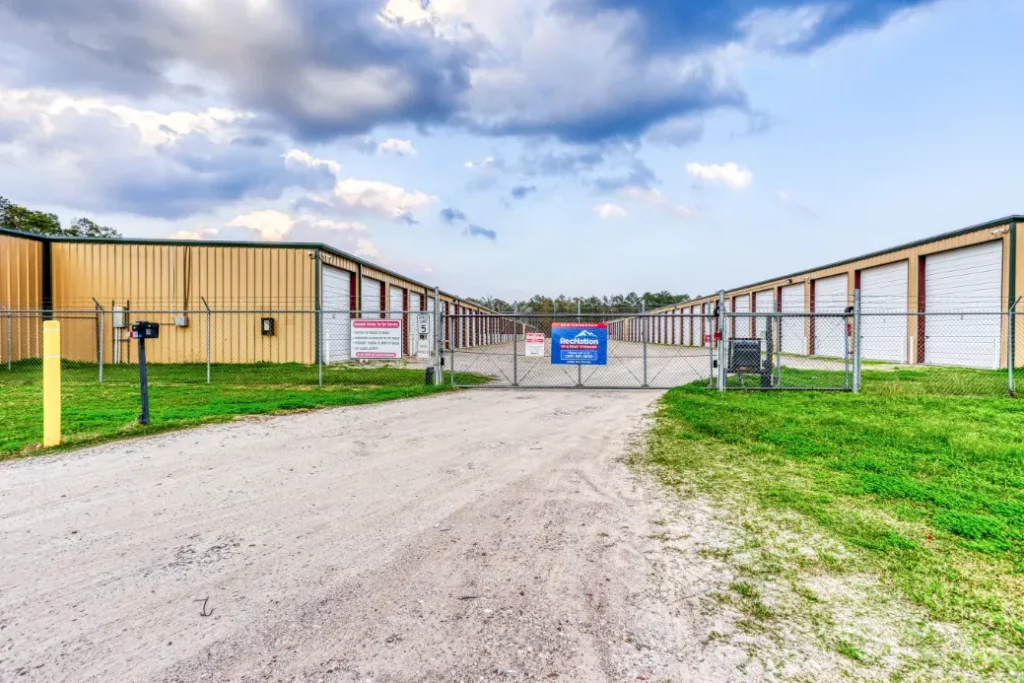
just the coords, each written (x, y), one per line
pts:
(16, 217)
(616, 304)
(83, 227)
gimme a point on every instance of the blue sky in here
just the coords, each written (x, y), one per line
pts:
(500, 148)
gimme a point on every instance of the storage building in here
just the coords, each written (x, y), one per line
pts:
(967, 280)
(310, 291)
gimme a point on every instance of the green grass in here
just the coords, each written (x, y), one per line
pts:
(920, 478)
(179, 397)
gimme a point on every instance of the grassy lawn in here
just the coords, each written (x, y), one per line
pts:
(920, 483)
(179, 397)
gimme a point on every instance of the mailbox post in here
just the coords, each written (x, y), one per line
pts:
(142, 331)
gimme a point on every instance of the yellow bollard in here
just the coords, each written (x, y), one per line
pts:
(51, 383)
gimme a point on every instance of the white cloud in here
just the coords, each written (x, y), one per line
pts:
(380, 198)
(483, 164)
(297, 157)
(655, 199)
(395, 146)
(42, 108)
(271, 225)
(608, 210)
(730, 174)
(366, 249)
(274, 226)
(787, 198)
(185, 235)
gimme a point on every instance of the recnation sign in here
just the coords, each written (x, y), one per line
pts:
(377, 339)
(579, 343)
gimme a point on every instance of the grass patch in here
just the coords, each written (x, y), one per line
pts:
(180, 397)
(920, 478)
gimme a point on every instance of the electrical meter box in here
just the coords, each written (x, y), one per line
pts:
(145, 330)
(119, 318)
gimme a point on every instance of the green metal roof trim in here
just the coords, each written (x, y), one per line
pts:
(224, 243)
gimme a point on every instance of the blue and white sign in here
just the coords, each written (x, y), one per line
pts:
(579, 343)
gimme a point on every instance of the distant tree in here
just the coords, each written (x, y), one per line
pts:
(83, 227)
(618, 303)
(16, 217)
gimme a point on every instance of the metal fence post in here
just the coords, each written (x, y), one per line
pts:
(1011, 342)
(721, 340)
(209, 337)
(10, 338)
(318, 317)
(643, 336)
(856, 341)
(579, 368)
(515, 346)
(437, 322)
(101, 334)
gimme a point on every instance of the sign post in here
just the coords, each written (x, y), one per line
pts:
(142, 331)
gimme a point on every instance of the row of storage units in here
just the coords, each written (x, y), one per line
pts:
(226, 302)
(687, 326)
(939, 302)
(465, 325)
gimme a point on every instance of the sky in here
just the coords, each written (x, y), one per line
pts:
(514, 147)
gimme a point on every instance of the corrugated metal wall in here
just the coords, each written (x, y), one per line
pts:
(21, 279)
(150, 279)
(913, 256)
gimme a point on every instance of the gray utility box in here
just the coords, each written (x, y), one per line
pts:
(745, 355)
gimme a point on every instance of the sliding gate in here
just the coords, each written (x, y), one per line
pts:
(567, 351)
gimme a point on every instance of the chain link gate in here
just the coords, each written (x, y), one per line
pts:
(645, 351)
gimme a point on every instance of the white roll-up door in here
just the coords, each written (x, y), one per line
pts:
(678, 323)
(830, 296)
(370, 298)
(705, 325)
(883, 290)
(794, 329)
(415, 299)
(699, 326)
(335, 299)
(396, 308)
(964, 281)
(764, 302)
(742, 305)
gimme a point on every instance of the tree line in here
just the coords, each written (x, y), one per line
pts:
(601, 305)
(14, 217)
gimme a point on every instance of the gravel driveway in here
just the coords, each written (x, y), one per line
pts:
(469, 536)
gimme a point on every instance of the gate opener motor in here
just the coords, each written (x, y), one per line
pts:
(745, 358)
(143, 330)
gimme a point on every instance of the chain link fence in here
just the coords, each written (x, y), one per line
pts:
(787, 351)
(976, 353)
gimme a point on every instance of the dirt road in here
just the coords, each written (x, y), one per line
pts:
(470, 536)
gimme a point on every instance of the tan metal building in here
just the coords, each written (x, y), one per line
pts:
(309, 290)
(972, 271)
